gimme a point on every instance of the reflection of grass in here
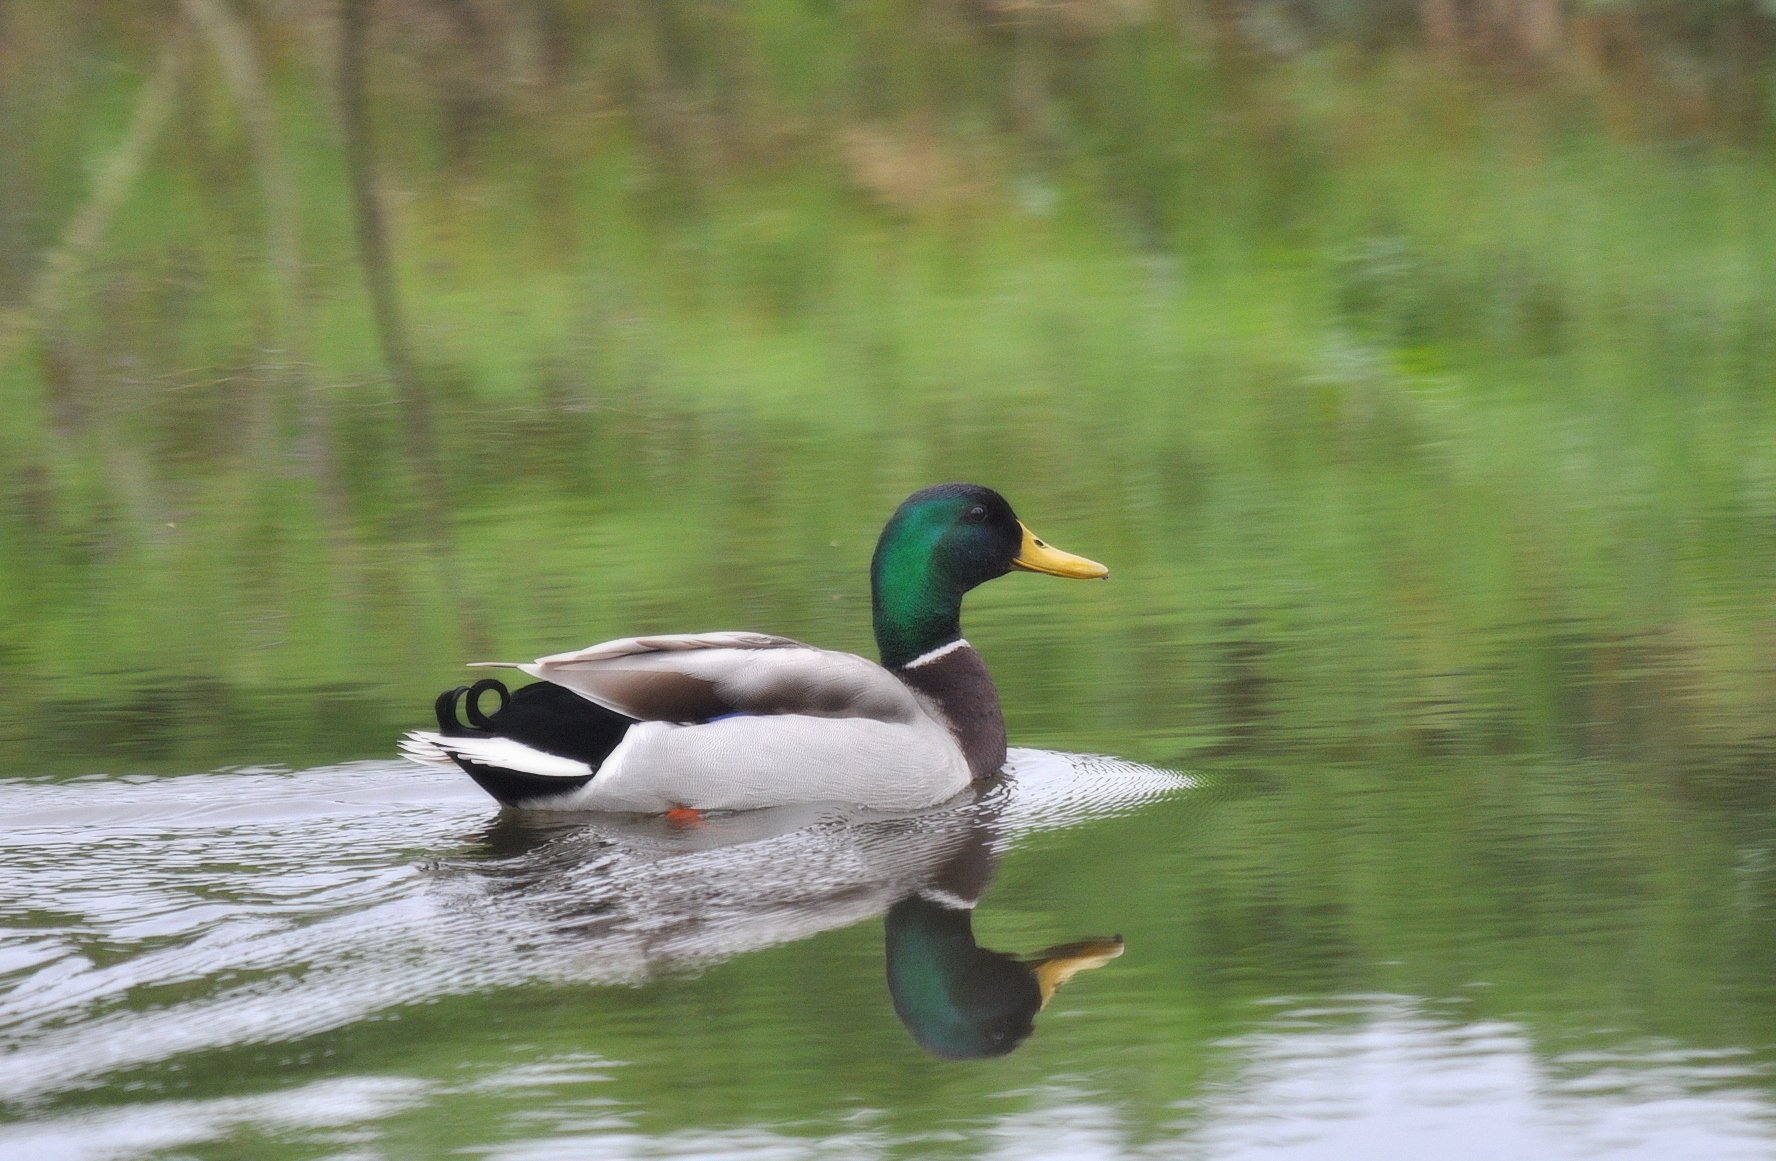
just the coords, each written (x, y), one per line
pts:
(1409, 414)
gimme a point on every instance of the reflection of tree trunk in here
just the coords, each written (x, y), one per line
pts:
(466, 67)
(379, 283)
(115, 178)
(288, 299)
(65, 373)
(372, 233)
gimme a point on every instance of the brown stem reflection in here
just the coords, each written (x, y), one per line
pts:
(418, 425)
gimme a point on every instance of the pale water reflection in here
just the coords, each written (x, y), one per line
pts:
(1379, 1076)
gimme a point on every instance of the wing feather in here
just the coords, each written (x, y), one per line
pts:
(695, 677)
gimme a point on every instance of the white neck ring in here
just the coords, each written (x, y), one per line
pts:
(937, 654)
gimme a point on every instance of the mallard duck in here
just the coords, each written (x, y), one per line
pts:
(736, 721)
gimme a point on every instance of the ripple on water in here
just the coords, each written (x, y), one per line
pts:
(147, 919)
(148, 922)
(325, 1112)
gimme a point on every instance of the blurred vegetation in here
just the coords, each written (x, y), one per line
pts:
(1409, 360)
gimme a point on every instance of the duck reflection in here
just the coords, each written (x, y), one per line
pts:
(961, 1000)
(613, 900)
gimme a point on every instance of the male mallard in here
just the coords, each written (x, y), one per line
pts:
(734, 721)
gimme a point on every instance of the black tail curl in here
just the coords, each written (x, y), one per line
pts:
(468, 697)
(472, 702)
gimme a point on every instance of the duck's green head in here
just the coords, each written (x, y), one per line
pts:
(941, 542)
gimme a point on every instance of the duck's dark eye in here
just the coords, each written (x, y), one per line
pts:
(975, 515)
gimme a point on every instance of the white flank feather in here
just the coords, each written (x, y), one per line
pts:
(510, 754)
(422, 746)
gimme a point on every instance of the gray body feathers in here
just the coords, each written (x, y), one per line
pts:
(793, 723)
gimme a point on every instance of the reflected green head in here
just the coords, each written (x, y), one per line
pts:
(959, 1000)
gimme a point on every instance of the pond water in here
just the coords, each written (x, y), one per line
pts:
(1423, 832)
(1462, 959)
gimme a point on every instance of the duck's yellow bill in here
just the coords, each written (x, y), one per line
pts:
(1038, 556)
(1057, 965)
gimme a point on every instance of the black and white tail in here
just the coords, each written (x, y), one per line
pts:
(543, 741)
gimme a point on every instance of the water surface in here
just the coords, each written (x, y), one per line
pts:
(369, 960)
